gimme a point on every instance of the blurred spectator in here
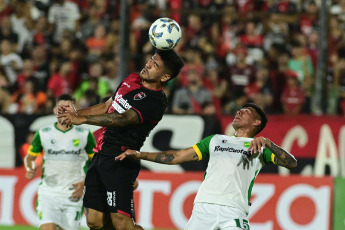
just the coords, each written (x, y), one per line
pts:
(41, 66)
(22, 22)
(41, 35)
(63, 15)
(31, 100)
(87, 28)
(338, 10)
(94, 85)
(260, 92)
(194, 98)
(5, 9)
(286, 11)
(231, 107)
(6, 32)
(96, 43)
(339, 79)
(300, 62)
(240, 74)
(193, 61)
(27, 72)
(10, 61)
(309, 20)
(5, 96)
(293, 95)
(276, 30)
(215, 84)
(278, 81)
(58, 83)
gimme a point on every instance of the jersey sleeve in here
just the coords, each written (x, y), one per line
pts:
(268, 156)
(36, 146)
(202, 148)
(91, 143)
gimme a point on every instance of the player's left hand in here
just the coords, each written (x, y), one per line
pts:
(69, 119)
(78, 190)
(256, 144)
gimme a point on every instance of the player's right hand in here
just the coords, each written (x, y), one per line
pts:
(129, 153)
(30, 173)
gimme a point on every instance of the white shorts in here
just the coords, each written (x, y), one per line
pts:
(59, 210)
(215, 217)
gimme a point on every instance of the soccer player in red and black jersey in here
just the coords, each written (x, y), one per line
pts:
(127, 118)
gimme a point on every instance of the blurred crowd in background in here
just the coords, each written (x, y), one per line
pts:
(235, 51)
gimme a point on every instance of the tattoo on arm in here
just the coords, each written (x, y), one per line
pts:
(283, 158)
(164, 158)
(112, 119)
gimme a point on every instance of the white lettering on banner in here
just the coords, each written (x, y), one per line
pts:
(261, 193)
(26, 198)
(327, 153)
(147, 188)
(7, 144)
(297, 133)
(7, 185)
(342, 150)
(186, 131)
(321, 198)
(177, 200)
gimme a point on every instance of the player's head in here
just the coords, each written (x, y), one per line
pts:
(162, 67)
(63, 100)
(250, 117)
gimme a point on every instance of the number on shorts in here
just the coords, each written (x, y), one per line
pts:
(77, 215)
(242, 223)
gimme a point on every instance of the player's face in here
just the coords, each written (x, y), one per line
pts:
(61, 103)
(153, 70)
(245, 117)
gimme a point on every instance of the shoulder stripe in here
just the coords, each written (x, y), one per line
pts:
(272, 158)
(197, 150)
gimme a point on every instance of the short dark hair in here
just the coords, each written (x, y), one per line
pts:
(172, 62)
(65, 97)
(261, 113)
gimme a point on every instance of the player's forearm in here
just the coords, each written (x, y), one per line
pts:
(29, 162)
(282, 157)
(106, 120)
(93, 110)
(166, 157)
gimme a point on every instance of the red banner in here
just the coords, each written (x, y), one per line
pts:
(165, 200)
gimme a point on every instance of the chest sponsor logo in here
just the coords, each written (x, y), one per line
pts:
(246, 144)
(120, 104)
(139, 96)
(76, 142)
(231, 149)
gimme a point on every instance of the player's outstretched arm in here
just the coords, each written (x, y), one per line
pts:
(130, 117)
(170, 157)
(93, 110)
(282, 157)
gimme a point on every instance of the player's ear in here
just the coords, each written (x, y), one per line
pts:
(257, 122)
(165, 78)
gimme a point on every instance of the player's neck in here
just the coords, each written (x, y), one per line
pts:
(152, 85)
(62, 127)
(242, 133)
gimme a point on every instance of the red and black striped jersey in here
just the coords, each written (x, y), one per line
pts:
(150, 106)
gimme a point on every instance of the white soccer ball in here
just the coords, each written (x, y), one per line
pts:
(165, 33)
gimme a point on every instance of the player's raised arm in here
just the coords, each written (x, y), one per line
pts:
(170, 157)
(282, 157)
(130, 117)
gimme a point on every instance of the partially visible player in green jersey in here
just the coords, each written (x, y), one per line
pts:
(222, 201)
(67, 151)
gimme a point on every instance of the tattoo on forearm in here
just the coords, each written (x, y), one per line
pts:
(107, 119)
(195, 157)
(283, 158)
(164, 158)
